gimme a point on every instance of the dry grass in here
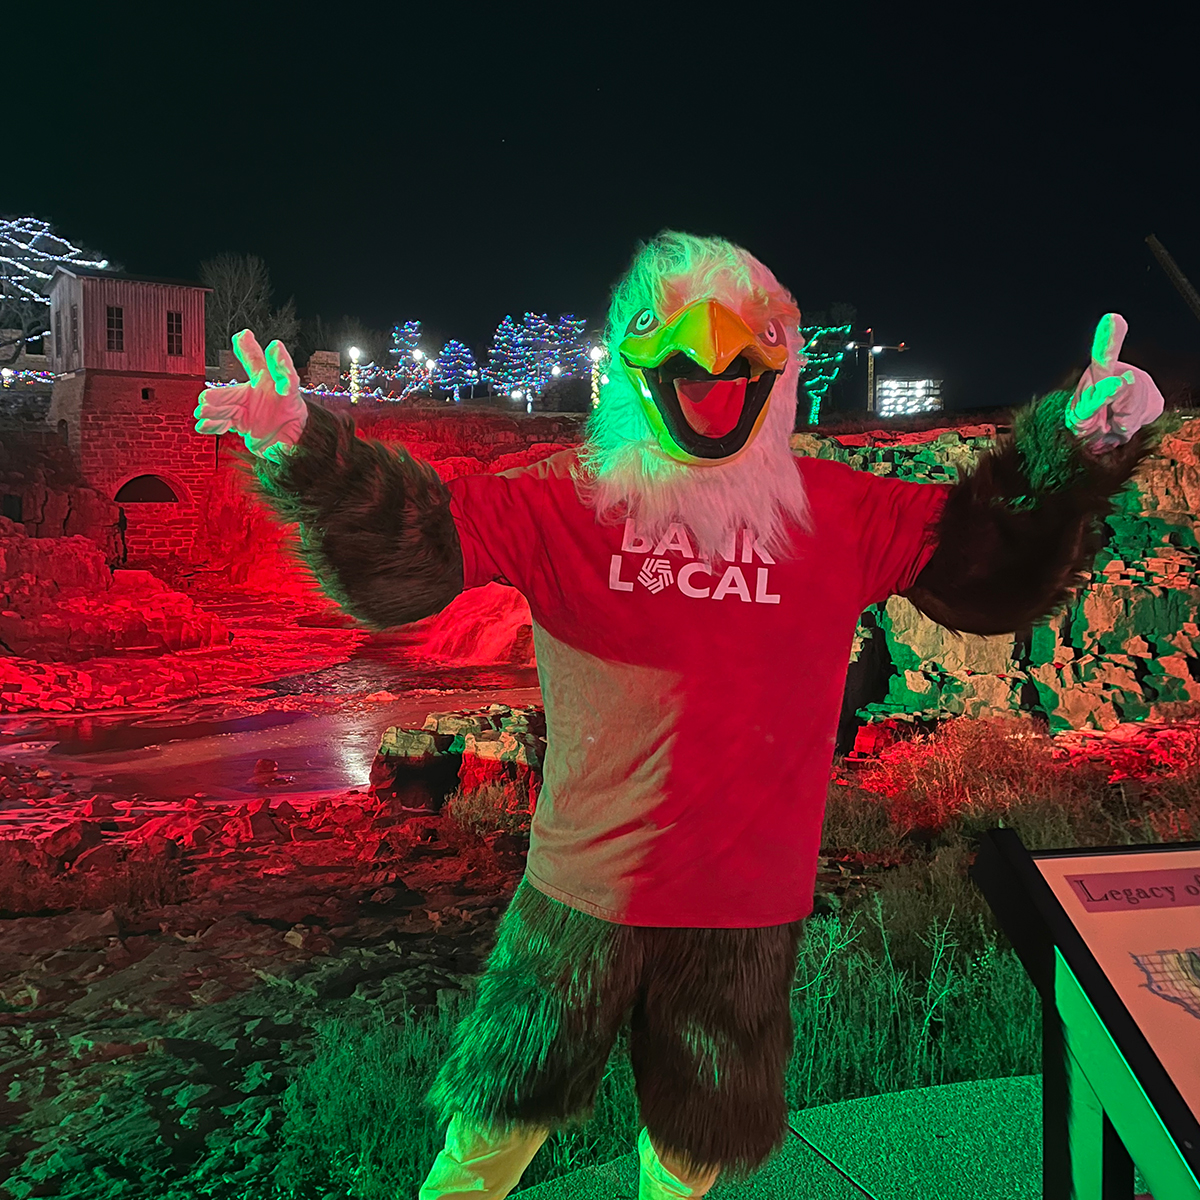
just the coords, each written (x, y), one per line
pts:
(491, 809)
(134, 884)
(968, 767)
(911, 984)
(972, 775)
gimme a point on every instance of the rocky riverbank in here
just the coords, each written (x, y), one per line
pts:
(167, 972)
(166, 968)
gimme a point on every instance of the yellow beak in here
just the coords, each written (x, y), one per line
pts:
(709, 334)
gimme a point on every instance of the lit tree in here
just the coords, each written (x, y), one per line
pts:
(570, 336)
(408, 359)
(456, 368)
(540, 347)
(506, 366)
(30, 251)
(825, 347)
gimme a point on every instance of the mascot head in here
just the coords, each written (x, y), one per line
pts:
(694, 421)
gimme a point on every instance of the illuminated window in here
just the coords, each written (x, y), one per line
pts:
(174, 333)
(901, 397)
(116, 329)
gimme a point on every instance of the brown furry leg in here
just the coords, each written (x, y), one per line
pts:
(711, 1038)
(557, 987)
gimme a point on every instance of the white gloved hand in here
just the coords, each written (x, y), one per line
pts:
(267, 411)
(1113, 400)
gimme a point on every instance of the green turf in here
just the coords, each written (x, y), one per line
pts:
(797, 1171)
(979, 1140)
(961, 1141)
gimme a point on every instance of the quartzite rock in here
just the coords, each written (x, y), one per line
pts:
(1126, 648)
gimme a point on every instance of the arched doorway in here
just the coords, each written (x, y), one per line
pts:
(146, 489)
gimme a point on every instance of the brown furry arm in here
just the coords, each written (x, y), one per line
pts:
(375, 523)
(1017, 532)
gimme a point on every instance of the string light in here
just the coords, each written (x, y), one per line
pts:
(407, 375)
(825, 347)
(524, 357)
(11, 376)
(537, 340)
(505, 367)
(527, 355)
(321, 389)
(571, 346)
(456, 368)
(30, 251)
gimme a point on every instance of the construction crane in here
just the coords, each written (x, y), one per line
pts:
(1175, 275)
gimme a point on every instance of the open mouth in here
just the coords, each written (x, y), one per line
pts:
(709, 416)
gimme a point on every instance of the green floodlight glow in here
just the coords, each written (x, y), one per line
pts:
(825, 346)
(1093, 1052)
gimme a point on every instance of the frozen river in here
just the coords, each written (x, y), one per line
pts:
(212, 746)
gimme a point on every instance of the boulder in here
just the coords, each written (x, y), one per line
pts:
(416, 768)
(104, 857)
(252, 823)
(91, 929)
(506, 760)
(68, 842)
(60, 602)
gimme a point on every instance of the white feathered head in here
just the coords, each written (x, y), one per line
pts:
(693, 423)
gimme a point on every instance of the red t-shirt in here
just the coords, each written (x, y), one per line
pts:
(691, 709)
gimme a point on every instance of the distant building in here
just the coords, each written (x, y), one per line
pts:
(128, 354)
(324, 369)
(901, 396)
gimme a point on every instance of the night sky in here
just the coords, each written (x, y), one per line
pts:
(978, 187)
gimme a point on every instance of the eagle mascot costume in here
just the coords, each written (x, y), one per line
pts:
(695, 589)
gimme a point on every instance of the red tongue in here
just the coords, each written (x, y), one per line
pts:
(712, 407)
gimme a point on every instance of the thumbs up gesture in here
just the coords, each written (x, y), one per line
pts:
(1113, 400)
(268, 411)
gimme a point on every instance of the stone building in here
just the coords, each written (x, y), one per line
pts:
(128, 355)
(323, 369)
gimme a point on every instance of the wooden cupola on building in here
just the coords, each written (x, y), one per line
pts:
(128, 357)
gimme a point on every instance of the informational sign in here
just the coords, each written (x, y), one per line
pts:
(1139, 915)
(1111, 939)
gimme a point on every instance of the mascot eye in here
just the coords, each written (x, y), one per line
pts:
(773, 334)
(643, 322)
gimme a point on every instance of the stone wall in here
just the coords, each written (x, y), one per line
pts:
(1126, 649)
(475, 438)
(42, 489)
(323, 369)
(122, 426)
(60, 602)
